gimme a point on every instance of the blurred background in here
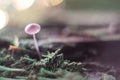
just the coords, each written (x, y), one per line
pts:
(99, 18)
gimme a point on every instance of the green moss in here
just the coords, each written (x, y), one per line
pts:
(51, 67)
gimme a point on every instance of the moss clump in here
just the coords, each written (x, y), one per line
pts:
(51, 67)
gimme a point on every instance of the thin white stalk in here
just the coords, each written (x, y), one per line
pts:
(36, 46)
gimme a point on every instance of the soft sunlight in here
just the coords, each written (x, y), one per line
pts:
(3, 19)
(52, 2)
(23, 4)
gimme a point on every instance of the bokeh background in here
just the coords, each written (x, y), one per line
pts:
(95, 17)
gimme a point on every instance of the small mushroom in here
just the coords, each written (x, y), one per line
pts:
(33, 29)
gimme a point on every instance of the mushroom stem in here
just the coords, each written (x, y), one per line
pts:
(36, 46)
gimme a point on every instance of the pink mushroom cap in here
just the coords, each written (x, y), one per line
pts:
(32, 28)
